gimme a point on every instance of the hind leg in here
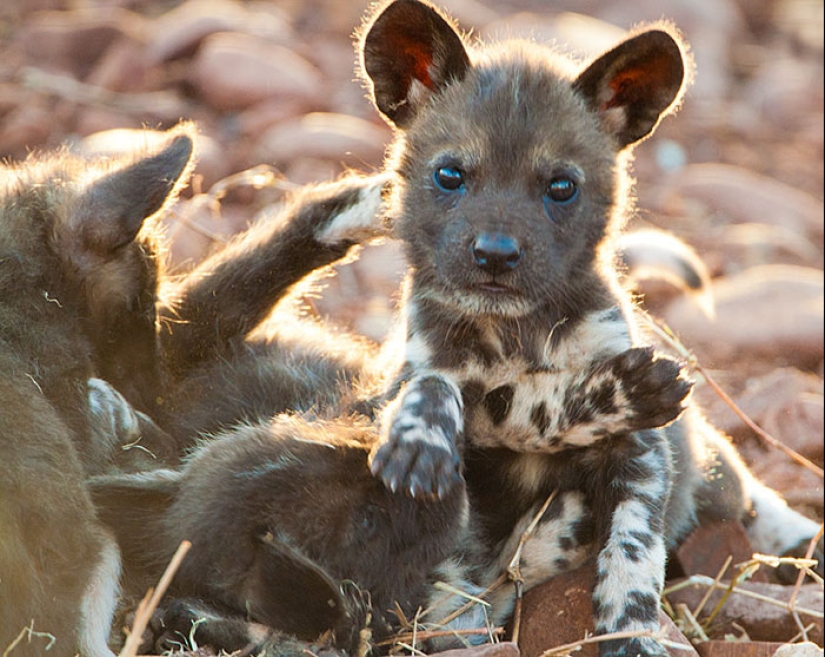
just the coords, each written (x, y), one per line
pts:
(543, 544)
(730, 490)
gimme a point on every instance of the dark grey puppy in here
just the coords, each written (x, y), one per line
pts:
(524, 370)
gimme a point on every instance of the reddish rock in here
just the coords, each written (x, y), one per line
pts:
(560, 612)
(24, 129)
(786, 402)
(122, 67)
(738, 195)
(92, 120)
(179, 31)
(233, 71)
(73, 40)
(805, 649)
(326, 136)
(707, 547)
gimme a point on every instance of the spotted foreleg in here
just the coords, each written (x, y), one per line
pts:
(550, 411)
(631, 564)
(418, 451)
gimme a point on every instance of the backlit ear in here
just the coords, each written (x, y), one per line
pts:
(113, 209)
(633, 85)
(409, 52)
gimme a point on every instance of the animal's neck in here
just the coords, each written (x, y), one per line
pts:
(439, 336)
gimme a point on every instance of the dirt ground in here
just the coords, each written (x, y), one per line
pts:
(737, 173)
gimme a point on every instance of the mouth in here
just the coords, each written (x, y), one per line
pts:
(496, 288)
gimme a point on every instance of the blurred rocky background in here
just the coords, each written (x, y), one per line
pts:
(738, 173)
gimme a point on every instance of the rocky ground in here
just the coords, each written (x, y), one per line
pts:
(738, 173)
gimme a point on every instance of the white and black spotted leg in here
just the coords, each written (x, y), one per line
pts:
(631, 564)
(418, 452)
(553, 411)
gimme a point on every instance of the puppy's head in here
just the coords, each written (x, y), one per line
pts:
(509, 157)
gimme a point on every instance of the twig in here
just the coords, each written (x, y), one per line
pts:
(704, 580)
(514, 569)
(154, 103)
(640, 634)
(798, 585)
(444, 586)
(29, 630)
(150, 602)
(801, 576)
(693, 624)
(695, 613)
(434, 634)
(665, 332)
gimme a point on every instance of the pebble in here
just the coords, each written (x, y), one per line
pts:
(326, 135)
(234, 71)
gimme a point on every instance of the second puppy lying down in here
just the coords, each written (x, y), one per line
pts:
(288, 524)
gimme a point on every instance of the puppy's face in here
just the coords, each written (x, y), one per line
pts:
(508, 158)
(507, 188)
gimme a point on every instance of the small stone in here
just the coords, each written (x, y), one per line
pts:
(738, 195)
(73, 41)
(806, 649)
(234, 71)
(737, 648)
(180, 31)
(326, 136)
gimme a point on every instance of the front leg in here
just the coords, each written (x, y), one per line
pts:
(631, 563)
(233, 291)
(550, 411)
(418, 450)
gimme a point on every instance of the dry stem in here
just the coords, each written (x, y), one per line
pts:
(567, 648)
(150, 602)
(514, 570)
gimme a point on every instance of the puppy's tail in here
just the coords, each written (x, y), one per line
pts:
(654, 254)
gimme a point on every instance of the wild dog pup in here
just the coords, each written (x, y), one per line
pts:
(282, 513)
(76, 304)
(289, 529)
(522, 366)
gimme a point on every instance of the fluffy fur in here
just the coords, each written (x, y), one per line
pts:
(77, 286)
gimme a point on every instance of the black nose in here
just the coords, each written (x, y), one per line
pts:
(496, 253)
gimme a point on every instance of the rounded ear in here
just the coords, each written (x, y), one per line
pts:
(634, 84)
(408, 52)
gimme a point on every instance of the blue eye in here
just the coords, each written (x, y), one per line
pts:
(561, 191)
(449, 179)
